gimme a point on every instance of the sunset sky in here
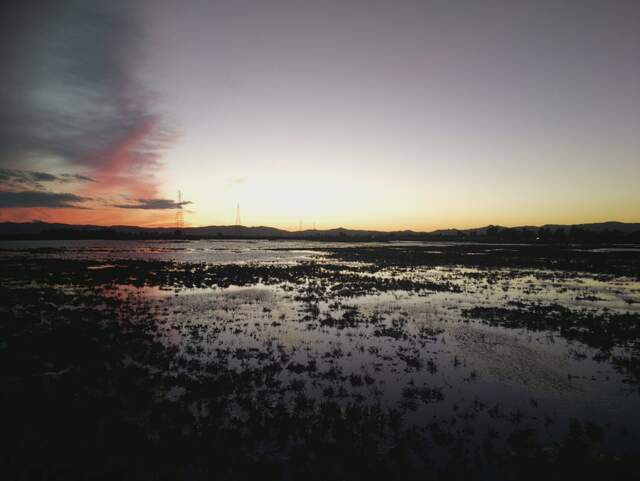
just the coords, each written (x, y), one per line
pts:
(362, 114)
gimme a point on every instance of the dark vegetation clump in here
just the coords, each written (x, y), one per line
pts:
(602, 330)
(569, 258)
(87, 394)
(610, 333)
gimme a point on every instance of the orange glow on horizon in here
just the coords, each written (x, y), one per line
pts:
(103, 217)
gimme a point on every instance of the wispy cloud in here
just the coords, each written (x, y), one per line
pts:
(70, 96)
(154, 204)
(52, 200)
(235, 183)
(75, 178)
(17, 179)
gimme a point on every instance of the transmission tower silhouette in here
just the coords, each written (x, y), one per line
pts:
(238, 221)
(179, 214)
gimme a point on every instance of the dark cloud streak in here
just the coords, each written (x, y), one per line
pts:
(75, 178)
(52, 200)
(154, 204)
(15, 179)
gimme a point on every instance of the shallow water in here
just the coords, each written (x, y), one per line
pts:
(421, 350)
(209, 251)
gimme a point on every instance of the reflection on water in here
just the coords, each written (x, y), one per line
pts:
(415, 341)
(427, 346)
(210, 251)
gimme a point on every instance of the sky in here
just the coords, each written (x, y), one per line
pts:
(361, 114)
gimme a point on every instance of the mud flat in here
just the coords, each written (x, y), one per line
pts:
(303, 360)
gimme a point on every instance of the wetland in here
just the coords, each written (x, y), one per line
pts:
(220, 359)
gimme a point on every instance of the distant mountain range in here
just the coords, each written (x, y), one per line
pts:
(625, 227)
(54, 230)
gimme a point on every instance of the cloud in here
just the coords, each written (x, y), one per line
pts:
(40, 199)
(75, 178)
(154, 204)
(13, 179)
(70, 97)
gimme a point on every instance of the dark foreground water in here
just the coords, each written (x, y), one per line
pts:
(307, 360)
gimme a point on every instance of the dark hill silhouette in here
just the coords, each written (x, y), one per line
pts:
(625, 227)
(602, 231)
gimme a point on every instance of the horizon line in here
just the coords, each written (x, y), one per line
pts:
(325, 229)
